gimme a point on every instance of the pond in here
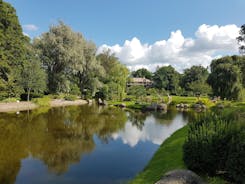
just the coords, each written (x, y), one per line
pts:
(81, 144)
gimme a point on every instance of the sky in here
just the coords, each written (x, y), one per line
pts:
(144, 33)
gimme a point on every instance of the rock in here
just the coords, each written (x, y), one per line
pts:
(178, 106)
(220, 106)
(203, 106)
(197, 106)
(180, 177)
(127, 99)
(162, 106)
(100, 101)
(181, 105)
(186, 106)
(122, 105)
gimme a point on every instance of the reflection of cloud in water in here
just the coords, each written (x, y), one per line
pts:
(152, 131)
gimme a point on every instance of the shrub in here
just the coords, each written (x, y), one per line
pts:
(70, 97)
(45, 101)
(213, 146)
(11, 99)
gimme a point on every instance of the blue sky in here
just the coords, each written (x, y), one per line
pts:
(141, 22)
(113, 21)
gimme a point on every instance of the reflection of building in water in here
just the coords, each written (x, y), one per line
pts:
(139, 82)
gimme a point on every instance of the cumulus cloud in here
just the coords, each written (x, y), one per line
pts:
(209, 42)
(30, 27)
(153, 132)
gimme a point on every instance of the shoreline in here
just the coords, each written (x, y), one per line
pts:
(23, 106)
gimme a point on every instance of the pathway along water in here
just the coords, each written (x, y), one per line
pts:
(81, 144)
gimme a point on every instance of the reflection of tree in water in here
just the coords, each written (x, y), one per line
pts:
(14, 144)
(165, 117)
(137, 118)
(58, 137)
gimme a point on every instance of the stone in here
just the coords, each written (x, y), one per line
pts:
(162, 106)
(181, 177)
(123, 105)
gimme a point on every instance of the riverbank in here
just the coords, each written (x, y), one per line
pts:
(22, 106)
(168, 157)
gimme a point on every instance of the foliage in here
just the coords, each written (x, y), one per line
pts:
(70, 97)
(115, 77)
(137, 91)
(166, 78)
(32, 77)
(241, 39)
(11, 100)
(59, 49)
(42, 102)
(12, 51)
(210, 145)
(142, 73)
(225, 78)
(194, 80)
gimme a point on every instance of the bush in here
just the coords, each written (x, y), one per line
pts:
(45, 101)
(11, 100)
(70, 97)
(214, 147)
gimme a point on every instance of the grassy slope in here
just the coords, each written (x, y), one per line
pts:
(168, 157)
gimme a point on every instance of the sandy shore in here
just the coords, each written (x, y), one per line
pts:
(22, 106)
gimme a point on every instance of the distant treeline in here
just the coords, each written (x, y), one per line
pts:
(63, 61)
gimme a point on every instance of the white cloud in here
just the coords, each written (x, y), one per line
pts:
(26, 34)
(210, 42)
(153, 132)
(30, 27)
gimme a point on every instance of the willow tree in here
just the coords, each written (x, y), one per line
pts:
(116, 75)
(59, 50)
(225, 79)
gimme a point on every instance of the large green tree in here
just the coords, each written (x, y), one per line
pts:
(167, 78)
(115, 77)
(194, 80)
(60, 49)
(225, 79)
(12, 50)
(88, 69)
(33, 76)
(143, 73)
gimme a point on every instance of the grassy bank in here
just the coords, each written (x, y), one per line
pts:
(169, 156)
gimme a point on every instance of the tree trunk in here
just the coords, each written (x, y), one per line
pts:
(28, 94)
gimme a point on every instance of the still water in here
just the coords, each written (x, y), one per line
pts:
(82, 144)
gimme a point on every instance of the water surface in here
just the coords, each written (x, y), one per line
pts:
(82, 144)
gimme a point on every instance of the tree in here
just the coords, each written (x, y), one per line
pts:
(33, 77)
(225, 79)
(241, 39)
(12, 50)
(166, 78)
(194, 80)
(60, 50)
(115, 77)
(143, 73)
(87, 69)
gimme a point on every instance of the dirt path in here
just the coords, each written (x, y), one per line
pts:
(22, 106)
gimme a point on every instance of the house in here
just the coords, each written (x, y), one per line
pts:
(139, 82)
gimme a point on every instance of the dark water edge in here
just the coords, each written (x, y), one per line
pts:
(81, 144)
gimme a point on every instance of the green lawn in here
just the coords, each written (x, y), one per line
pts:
(168, 157)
